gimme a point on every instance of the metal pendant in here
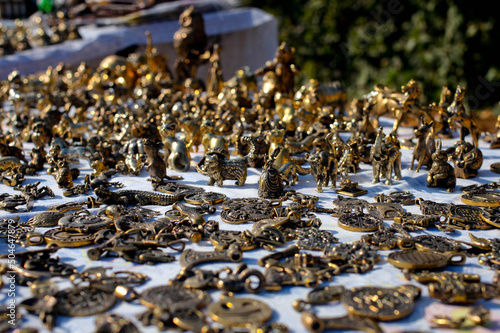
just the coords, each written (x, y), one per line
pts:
(348, 205)
(491, 216)
(176, 188)
(315, 239)
(64, 238)
(210, 198)
(384, 304)
(190, 258)
(83, 222)
(466, 217)
(485, 199)
(222, 239)
(350, 322)
(495, 167)
(413, 259)
(385, 211)
(428, 207)
(430, 242)
(359, 222)
(243, 210)
(401, 197)
(173, 297)
(238, 311)
(83, 301)
(317, 296)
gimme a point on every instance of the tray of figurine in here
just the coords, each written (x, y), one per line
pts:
(137, 198)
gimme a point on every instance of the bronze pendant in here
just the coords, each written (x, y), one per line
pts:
(385, 211)
(238, 311)
(359, 222)
(413, 259)
(384, 304)
(211, 198)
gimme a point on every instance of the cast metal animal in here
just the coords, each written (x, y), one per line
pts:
(441, 173)
(177, 154)
(459, 119)
(425, 146)
(323, 169)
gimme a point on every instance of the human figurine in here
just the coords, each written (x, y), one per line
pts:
(441, 173)
(468, 159)
(215, 80)
(385, 158)
(284, 67)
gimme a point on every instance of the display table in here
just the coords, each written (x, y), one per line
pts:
(248, 36)
(383, 274)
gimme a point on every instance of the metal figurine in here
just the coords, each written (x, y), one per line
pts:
(468, 159)
(284, 68)
(460, 120)
(177, 155)
(443, 127)
(212, 141)
(441, 173)
(189, 43)
(323, 169)
(155, 163)
(385, 158)
(271, 182)
(425, 147)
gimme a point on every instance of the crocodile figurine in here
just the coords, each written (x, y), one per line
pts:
(136, 197)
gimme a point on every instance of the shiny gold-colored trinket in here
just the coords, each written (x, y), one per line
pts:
(466, 217)
(350, 189)
(384, 304)
(495, 167)
(238, 311)
(236, 211)
(166, 297)
(83, 301)
(64, 238)
(491, 216)
(348, 205)
(413, 259)
(486, 199)
(430, 243)
(222, 239)
(359, 222)
(385, 210)
(211, 198)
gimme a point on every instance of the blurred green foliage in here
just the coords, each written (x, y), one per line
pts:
(363, 42)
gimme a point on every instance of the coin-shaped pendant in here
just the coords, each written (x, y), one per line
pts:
(238, 311)
(381, 303)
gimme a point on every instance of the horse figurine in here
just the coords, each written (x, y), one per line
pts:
(409, 106)
(459, 118)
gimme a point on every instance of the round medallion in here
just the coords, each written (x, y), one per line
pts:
(384, 304)
(86, 301)
(236, 311)
(174, 297)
